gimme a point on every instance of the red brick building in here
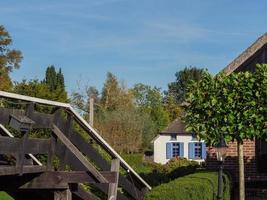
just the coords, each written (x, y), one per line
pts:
(255, 151)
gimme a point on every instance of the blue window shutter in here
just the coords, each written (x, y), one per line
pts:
(168, 150)
(191, 150)
(203, 148)
(181, 149)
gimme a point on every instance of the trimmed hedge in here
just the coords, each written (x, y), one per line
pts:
(156, 174)
(197, 186)
(173, 169)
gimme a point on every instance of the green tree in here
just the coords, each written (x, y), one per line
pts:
(9, 59)
(114, 95)
(174, 110)
(177, 89)
(234, 106)
(149, 100)
(37, 88)
(60, 79)
(55, 82)
(122, 129)
(54, 79)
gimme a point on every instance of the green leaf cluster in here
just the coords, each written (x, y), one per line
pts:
(233, 105)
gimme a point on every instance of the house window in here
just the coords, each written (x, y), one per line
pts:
(196, 150)
(174, 149)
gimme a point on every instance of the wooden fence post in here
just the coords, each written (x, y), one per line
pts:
(63, 195)
(113, 187)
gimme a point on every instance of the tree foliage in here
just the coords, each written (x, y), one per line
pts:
(173, 109)
(9, 59)
(123, 129)
(233, 105)
(149, 100)
(177, 89)
(54, 79)
(114, 95)
(43, 89)
(123, 119)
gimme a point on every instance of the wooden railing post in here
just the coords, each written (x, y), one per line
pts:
(67, 132)
(21, 153)
(63, 195)
(51, 152)
(113, 187)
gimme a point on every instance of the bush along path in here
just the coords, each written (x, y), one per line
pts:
(156, 174)
(197, 186)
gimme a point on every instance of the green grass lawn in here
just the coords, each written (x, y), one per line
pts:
(4, 196)
(137, 163)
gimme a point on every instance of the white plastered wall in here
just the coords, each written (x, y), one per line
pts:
(160, 147)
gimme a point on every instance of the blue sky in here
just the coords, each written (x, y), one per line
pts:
(138, 40)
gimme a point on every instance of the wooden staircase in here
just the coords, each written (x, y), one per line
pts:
(77, 162)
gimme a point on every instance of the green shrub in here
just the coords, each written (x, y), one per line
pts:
(156, 174)
(197, 186)
(173, 169)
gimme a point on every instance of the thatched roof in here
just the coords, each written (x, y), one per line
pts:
(175, 127)
(248, 53)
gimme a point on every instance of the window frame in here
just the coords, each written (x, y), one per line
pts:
(170, 149)
(176, 149)
(192, 150)
(198, 150)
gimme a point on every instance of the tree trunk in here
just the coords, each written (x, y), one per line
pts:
(241, 170)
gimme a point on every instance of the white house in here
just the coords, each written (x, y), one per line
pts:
(174, 141)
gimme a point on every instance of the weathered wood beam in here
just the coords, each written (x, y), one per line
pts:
(21, 154)
(32, 145)
(66, 129)
(63, 195)
(46, 181)
(4, 170)
(51, 152)
(84, 177)
(60, 180)
(113, 187)
(84, 195)
(42, 120)
(73, 149)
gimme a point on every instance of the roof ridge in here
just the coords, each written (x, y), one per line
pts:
(252, 49)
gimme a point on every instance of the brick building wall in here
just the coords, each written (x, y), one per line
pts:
(231, 161)
(255, 190)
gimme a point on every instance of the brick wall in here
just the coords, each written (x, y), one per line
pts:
(231, 161)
